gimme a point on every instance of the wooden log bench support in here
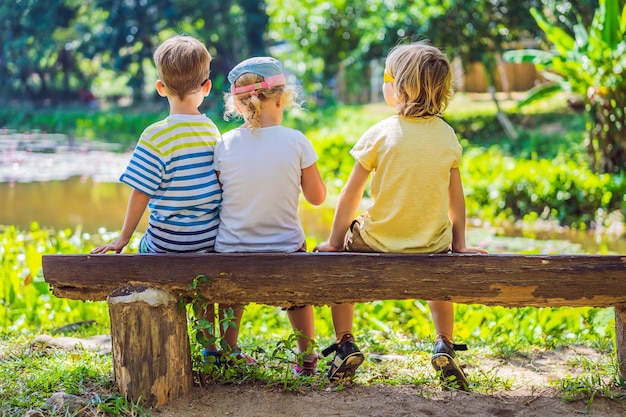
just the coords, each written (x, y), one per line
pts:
(151, 357)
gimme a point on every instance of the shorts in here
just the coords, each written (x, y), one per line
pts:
(354, 241)
(143, 246)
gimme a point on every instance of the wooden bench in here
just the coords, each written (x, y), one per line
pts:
(151, 352)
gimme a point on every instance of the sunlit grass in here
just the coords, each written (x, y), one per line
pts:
(467, 105)
(29, 378)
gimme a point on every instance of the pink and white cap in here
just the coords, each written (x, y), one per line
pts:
(268, 68)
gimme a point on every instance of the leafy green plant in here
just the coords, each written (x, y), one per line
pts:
(26, 301)
(501, 188)
(590, 62)
(202, 315)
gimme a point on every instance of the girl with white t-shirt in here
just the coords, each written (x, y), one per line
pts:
(262, 167)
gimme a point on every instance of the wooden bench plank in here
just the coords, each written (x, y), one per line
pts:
(325, 278)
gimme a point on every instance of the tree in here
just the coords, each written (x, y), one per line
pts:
(232, 29)
(326, 35)
(591, 62)
(33, 60)
(52, 48)
(129, 37)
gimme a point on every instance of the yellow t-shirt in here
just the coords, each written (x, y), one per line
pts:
(410, 160)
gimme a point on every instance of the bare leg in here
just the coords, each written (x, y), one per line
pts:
(342, 319)
(209, 315)
(302, 320)
(230, 330)
(348, 357)
(442, 313)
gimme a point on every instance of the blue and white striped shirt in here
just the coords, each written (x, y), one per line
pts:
(173, 164)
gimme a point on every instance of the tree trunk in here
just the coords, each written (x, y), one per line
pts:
(606, 143)
(151, 353)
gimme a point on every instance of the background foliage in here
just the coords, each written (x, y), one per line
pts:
(65, 50)
(50, 49)
(589, 62)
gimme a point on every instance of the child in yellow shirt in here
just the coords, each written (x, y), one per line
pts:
(418, 204)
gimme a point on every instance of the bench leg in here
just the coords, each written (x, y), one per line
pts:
(620, 338)
(150, 341)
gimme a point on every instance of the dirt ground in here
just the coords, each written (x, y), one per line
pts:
(378, 400)
(531, 395)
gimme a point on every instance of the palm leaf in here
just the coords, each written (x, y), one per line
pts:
(611, 26)
(540, 92)
(562, 41)
(531, 56)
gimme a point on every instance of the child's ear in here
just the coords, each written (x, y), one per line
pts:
(206, 87)
(160, 87)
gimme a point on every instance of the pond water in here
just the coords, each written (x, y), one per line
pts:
(73, 189)
(75, 202)
(90, 205)
(80, 201)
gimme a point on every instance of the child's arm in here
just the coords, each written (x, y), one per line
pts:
(137, 203)
(456, 211)
(346, 210)
(313, 186)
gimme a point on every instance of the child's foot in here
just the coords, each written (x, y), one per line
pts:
(444, 360)
(347, 359)
(218, 357)
(212, 356)
(237, 357)
(307, 365)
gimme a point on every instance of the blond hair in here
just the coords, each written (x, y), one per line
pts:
(248, 104)
(183, 64)
(423, 79)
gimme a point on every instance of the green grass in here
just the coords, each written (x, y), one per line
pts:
(29, 377)
(394, 357)
(26, 298)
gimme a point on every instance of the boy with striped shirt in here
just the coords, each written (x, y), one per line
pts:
(171, 170)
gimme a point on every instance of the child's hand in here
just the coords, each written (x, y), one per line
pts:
(327, 247)
(468, 250)
(117, 245)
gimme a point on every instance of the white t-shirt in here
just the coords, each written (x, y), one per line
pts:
(261, 174)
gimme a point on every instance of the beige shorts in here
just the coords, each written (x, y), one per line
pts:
(354, 242)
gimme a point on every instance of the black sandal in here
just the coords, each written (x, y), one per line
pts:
(347, 358)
